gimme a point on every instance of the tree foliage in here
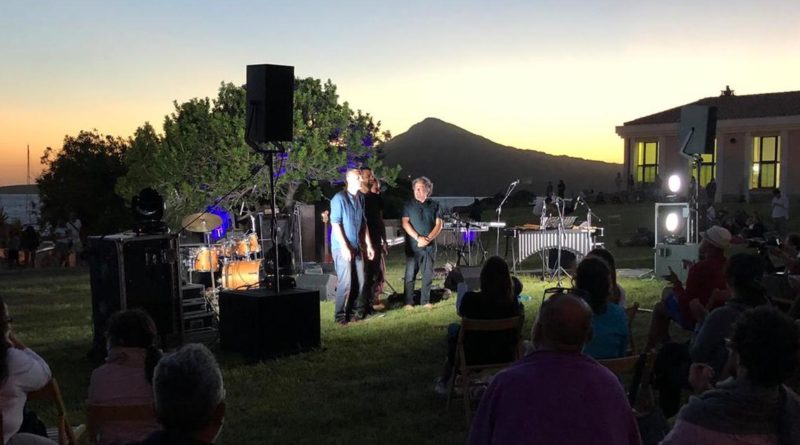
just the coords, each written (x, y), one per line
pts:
(202, 155)
(80, 180)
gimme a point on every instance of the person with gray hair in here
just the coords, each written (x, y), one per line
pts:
(422, 223)
(189, 398)
(556, 394)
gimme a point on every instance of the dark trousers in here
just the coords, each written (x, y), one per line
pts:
(373, 281)
(419, 261)
(349, 287)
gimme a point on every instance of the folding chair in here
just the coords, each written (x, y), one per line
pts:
(63, 433)
(641, 365)
(630, 312)
(466, 370)
(99, 415)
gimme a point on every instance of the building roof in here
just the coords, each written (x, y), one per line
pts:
(734, 107)
(22, 189)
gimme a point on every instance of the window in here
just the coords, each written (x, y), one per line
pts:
(646, 161)
(766, 162)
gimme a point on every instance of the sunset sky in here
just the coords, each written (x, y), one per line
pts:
(555, 76)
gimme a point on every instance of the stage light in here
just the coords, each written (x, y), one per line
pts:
(674, 183)
(671, 222)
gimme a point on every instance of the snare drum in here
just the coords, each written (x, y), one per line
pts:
(205, 259)
(240, 274)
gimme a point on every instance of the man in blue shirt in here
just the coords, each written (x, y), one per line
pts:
(348, 231)
(422, 222)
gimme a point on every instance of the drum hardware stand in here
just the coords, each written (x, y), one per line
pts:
(499, 210)
(559, 271)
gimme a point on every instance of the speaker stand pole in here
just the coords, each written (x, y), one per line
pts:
(269, 158)
(499, 210)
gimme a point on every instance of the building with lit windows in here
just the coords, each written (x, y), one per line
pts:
(757, 146)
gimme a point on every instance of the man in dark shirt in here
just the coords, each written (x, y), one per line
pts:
(374, 268)
(422, 223)
(348, 230)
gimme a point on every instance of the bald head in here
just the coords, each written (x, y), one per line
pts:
(563, 324)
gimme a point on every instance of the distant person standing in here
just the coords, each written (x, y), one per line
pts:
(711, 191)
(12, 249)
(780, 210)
(62, 245)
(548, 193)
(692, 188)
(348, 225)
(562, 188)
(74, 231)
(30, 242)
(618, 182)
(422, 223)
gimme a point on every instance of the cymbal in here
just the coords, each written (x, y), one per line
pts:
(201, 222)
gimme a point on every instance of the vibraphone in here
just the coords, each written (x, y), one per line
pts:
(530, 242)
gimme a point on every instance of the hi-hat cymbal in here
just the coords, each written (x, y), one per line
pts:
(201, 222)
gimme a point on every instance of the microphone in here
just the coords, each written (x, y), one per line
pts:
(515, 182)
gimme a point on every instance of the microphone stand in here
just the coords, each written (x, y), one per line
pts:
(499, 210)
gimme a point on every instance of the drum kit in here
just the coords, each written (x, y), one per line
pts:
(236, 258)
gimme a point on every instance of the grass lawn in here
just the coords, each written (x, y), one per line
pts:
(369, 383)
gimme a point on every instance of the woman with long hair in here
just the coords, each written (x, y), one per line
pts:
(497, 299)
(21, 371)
(609, 323)
(126, 377)
(617, 294)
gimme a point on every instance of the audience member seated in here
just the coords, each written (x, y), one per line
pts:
(189, 398)
(707, 348)
(703, 278)
(496, 300)
(127, 376)
(609, 323)
(21, 371)
(617, 292)
(556, 394)
(754, 407)
(743, 275)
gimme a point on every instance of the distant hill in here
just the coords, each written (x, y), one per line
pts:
(462, 163)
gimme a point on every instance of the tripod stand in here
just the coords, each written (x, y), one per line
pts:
(558, 272)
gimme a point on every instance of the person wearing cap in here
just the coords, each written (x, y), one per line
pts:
(703, 278)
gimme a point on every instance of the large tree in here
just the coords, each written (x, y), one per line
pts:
(79, 180)
(202, 155)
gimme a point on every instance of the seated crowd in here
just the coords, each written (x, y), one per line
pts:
(184, 389)
(741, 352)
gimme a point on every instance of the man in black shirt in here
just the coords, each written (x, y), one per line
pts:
(422, 223)
(373, 212)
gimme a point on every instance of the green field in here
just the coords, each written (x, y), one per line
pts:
(370, 382)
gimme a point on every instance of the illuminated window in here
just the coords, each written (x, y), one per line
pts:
(646, 161)
(765, 172)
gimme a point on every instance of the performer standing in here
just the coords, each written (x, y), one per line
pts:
(422, 222)
(348, 228)
(374, 268)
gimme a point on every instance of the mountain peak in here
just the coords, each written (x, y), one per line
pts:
(464, 163)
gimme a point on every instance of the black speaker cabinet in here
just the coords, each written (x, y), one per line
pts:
(261, 323)
(697, 129)
(128, 271)
(270, 103)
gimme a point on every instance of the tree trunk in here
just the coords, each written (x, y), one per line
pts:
(288, 202)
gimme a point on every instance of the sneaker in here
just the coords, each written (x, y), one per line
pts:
(378, 307)
(409, 307)
(440, 386)
(428, 306)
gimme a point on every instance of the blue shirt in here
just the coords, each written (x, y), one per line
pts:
(609, 334)
(347, 210)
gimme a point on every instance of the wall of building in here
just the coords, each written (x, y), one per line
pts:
(20, 207)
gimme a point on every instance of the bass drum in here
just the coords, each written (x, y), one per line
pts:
(240, 275)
